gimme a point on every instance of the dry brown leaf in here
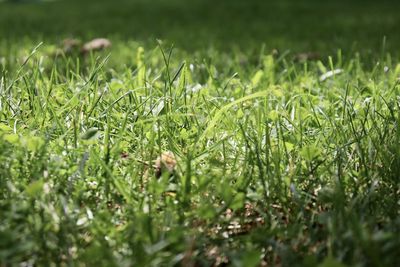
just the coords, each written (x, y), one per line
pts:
(166, 162)
(96, 45)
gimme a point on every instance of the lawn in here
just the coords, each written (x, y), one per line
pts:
(210, 133)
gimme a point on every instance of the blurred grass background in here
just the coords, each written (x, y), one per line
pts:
(310, 25)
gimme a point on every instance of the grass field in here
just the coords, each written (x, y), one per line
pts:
(268, 135)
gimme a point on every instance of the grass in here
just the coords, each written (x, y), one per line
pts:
(318, 26)
(278, 162)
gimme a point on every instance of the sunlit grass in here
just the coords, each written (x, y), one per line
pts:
(278, 162)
